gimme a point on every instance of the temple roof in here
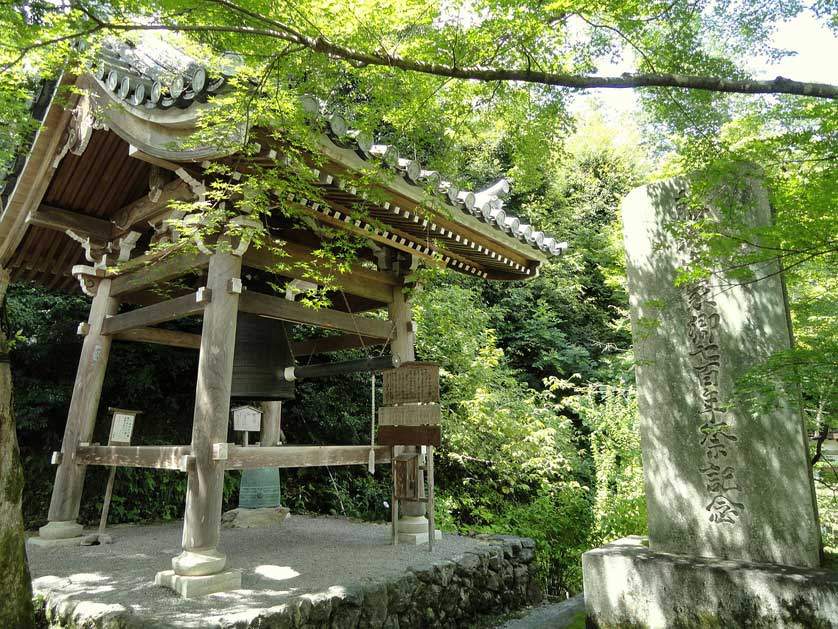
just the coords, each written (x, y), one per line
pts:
(99, 166)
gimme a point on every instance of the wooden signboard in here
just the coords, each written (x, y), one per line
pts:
(409, 436)
(247, 418)
(122, 427)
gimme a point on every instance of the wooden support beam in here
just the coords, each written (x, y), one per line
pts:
(359, 281)
(81, 417)
(328, 344)
(159, 336)
(155, 457)
(205, 482)
(65, 221)
(187, 340)
(240, 458)
(176, 308)
(145, 211)
(279, 308)
(147, 272)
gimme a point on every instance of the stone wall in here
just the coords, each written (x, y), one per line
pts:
(467, 590)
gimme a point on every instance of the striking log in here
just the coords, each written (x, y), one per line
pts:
(154, 457)
(322, 370)
(240, 458)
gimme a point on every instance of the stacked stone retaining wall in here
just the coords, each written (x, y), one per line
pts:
(467, 590)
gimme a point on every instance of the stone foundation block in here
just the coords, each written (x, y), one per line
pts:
(264, 518)
(193, 587)
(53, 543)
(628, 585)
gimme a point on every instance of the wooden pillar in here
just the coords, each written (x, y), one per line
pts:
(412, 519)
(81, 418)
(205, 482)
(271, 423)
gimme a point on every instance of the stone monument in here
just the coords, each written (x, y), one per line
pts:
(726, 488)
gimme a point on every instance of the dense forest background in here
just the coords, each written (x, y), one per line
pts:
(540, 429)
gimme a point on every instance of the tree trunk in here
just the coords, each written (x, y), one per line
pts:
(15, 584)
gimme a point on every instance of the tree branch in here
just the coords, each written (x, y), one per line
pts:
(325, 46)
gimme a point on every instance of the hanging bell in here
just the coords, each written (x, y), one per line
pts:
(262, 353)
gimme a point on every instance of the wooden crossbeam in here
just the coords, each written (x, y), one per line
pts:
(146, 272)
(159, 336)
(241, 458)
(170, 310)
(65, 221)
(360, 281)
(309, 347)
(156, 457)
(328, 344)
(279, 308)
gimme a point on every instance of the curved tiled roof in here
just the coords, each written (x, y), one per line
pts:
(165, 77)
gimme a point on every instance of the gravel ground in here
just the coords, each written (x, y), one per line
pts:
(306, 555)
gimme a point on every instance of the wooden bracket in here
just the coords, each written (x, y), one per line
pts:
(187, 463)
(234, 286)
(83, 329)
(203, 295)
(57, 458)
(244, 226)
(88, 277)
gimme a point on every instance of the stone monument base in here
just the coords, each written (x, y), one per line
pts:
(264, 518)
(193, 587)
(628, 585)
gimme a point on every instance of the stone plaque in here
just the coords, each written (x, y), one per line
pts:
(720, 481)
(259, 488)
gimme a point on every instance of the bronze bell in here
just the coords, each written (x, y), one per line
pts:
(262, 352)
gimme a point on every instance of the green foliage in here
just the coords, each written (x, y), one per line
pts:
(610, 414)
(557, 462)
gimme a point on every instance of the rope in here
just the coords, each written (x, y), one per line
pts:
(371, 462)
